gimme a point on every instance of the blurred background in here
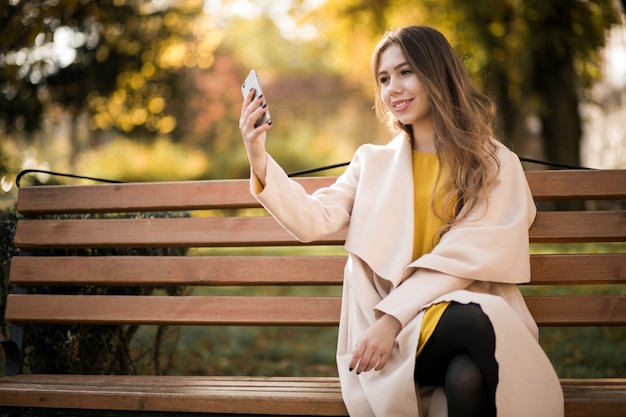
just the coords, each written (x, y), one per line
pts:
(139, 90)
(150, 90)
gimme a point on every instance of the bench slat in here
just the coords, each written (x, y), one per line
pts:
(594, 397)
(275, 395)
(589, 184)
(199, 195)
(271, 396)
(597, 310)
(577, 226)
(178, 270)
(141, 233)
(578, 269)
(549, 227)
(191, 310)
(150, 196)
(156, 196)
(308, 311)
(268, 270)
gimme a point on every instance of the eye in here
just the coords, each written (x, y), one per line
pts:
(383, 79)
(406, 71)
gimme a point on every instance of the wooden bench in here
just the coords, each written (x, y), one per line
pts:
(255, 394)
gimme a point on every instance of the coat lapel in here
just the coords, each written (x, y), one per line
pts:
(381, 230)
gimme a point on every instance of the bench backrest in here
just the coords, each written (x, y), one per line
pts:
(225, 215)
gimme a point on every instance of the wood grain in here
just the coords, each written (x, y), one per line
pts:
(202, 195)
(300, 311)
(269, 270)
(255, 395)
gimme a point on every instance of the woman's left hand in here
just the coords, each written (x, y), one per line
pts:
(254, 136)
(375, 347)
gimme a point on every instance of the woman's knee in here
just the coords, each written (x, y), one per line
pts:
(471, 318)
(464, 376)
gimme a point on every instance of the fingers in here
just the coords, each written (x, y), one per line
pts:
(252, 109)
(382, 362)
(247, 99)
(356, 357)
(367, 357)
(368, 362)
(375, 347)
(254, 137)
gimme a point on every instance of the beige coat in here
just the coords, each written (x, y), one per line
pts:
(479, 261)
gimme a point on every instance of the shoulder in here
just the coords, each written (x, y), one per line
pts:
(399, 143)
(505, 155)
(510, 171)
(507, 159)
(373, 163)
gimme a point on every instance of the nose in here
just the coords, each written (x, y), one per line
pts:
(394, 86)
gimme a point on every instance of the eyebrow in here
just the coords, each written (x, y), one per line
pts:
(395, 68)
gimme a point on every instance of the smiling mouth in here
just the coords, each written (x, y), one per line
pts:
(401, 104)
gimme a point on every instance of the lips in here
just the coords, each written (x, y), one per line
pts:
(399, 105)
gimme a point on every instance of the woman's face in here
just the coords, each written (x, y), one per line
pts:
(401, 90)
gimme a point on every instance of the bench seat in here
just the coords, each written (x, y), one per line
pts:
(320, 396)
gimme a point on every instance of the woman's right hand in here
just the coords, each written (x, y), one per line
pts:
(254, 137)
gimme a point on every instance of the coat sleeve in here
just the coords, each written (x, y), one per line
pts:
(417, 291)
(308, 217)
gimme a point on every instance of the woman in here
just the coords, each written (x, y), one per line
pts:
(432, 321)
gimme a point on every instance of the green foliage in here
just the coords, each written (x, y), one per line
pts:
(260, 44)
(4, 161)
(140, 71)
(115, 59)
(161, 160)
(241, 350)
(586, 352)
(532, 56)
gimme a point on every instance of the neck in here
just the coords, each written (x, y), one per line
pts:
(424, 140)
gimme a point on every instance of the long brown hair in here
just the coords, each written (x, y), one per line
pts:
(462, 117)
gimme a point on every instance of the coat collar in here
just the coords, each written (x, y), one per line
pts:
(381, 226)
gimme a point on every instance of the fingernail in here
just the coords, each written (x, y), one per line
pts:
(264, 105)
(270, 122)
(358, 373)
(351, 369)
(260, 96)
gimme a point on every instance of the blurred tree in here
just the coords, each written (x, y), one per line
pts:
(542, 55)
(534, 56)
(114, 59)
(149, 69)
(319, 116)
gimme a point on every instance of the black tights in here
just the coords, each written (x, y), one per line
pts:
(460, 357)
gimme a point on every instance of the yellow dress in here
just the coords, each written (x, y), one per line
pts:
(425, 169)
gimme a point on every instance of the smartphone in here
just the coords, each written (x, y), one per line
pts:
(252, 82)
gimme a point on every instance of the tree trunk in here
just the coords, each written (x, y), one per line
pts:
(560, 115)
